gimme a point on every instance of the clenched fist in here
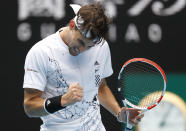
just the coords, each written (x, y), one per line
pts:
(73, 95)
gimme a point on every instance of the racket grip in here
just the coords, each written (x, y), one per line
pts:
(127, 129)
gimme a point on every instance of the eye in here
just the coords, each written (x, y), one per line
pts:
(81, 42)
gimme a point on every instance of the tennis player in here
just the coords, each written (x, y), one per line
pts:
(64, 81)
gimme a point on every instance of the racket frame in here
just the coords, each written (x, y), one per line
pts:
(126, 102)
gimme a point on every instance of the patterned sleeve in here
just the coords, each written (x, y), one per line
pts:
(35, 69)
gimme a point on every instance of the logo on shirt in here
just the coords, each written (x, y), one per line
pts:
(28, 69)
(48, 102)
(97, 75)
(96, 63)
(96, 70)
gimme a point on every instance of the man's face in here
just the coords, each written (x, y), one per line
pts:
(78, 43)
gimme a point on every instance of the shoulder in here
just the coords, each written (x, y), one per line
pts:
(42, 46)
(104, 47)
(36, 49)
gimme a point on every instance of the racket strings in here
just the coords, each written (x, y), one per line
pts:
(142, 67)
(132, 96)
(138, 80)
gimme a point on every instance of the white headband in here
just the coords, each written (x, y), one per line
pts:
(75, 8)
(79, 21)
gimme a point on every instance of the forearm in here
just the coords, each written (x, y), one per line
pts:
(35, 107)
(34, 103)
(107, 100)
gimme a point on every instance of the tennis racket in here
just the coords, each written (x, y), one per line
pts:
(138, 78)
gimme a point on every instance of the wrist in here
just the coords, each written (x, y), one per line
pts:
(118, 115)
(121, 115)
(53, 104)
(63, 101)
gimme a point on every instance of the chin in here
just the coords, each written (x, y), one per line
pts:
(73, 54)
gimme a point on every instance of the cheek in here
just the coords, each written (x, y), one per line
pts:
(73, 41)
(73, 36)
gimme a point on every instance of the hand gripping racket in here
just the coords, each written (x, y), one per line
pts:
(138, 78)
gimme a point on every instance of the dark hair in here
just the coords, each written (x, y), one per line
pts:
(95, 19)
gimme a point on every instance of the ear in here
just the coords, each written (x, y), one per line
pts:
(71, 24)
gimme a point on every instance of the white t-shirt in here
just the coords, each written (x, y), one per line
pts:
(50, 68)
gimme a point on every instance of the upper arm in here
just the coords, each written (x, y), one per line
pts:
(103, 84)
(107, 71)
(33, 103)
(35, 69)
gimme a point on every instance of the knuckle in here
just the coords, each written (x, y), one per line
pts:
(74, 93)
(73, 89)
